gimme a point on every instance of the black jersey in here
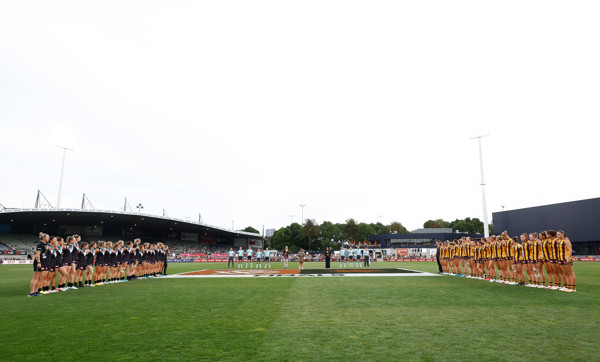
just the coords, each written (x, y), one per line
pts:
(100, 257)
(113, 257)
(125, 256)
(81, 258)
(45, 256)
(90, 258)
(50, 258)
(59, 257)
(41, 247)
(66, 255)
(75, 253)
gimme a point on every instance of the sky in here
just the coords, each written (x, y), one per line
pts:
(241, 111)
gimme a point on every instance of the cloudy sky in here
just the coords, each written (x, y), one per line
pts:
(243, 110)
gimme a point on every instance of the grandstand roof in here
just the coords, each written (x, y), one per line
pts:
(120, 219)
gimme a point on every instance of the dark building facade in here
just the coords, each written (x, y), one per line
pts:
(417, 240)
(579, 219)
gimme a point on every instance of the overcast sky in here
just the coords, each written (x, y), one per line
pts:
(243, 110)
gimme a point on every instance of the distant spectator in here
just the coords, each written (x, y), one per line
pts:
(301, 256)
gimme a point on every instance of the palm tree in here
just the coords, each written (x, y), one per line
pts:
(351, 228)
(310, 230)
(398, 228)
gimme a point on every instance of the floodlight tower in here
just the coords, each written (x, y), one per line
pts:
(302, 206)
(62, 170)
(486, 231)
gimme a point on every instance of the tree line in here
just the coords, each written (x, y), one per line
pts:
(312, 236)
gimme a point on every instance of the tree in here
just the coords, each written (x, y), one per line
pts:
(365, 231)
(398, 228)
(380, 229)
(291, 236)
(280, 238)
(310, 230)
(468, 225)
(351, 228)
(437, 223)
(330, 234)
(250, 229)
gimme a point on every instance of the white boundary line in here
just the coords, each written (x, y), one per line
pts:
(415, 273)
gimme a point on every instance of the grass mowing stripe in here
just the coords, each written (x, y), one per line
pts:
(378, 318)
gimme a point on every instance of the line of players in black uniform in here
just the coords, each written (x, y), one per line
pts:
(82, 264)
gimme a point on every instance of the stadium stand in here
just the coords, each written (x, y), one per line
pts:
(22, 242)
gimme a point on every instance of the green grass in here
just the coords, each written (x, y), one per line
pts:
(371, 318)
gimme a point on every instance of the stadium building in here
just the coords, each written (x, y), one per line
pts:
(579, 219)
(19, 229)
(420, 238)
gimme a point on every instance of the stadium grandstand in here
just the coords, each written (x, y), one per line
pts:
(577, 218)
(19, 229)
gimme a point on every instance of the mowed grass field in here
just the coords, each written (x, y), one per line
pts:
(301, 318)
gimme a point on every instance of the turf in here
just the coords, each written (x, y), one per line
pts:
(376, 318)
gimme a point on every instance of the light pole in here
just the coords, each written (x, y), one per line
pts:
(486, 231)
(292, 219)
(140, 207)
(302, 206)
(62, 170)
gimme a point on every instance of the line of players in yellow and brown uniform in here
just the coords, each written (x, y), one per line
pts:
(81, 264)
(518, 260)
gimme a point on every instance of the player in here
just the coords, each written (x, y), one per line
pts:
(553, 268)
(518, 256)
(528, 260)
(65, 264)
(59, 263)
(267, 257)
(89, 263)
(538, 257)
(57, 247)
(81, 263)
(259, 256)
(38, 272)
(50, 265)
(357, 257)
(125, 257)
(249, 257)
(301, 257)
(564, 261)
(240, 257)
(99, 263)
(110, 260)
(133, 261)
(166, 251)
(350, 257)
(342, 257)
(286, 257)
(74, 252)
(231, 256)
